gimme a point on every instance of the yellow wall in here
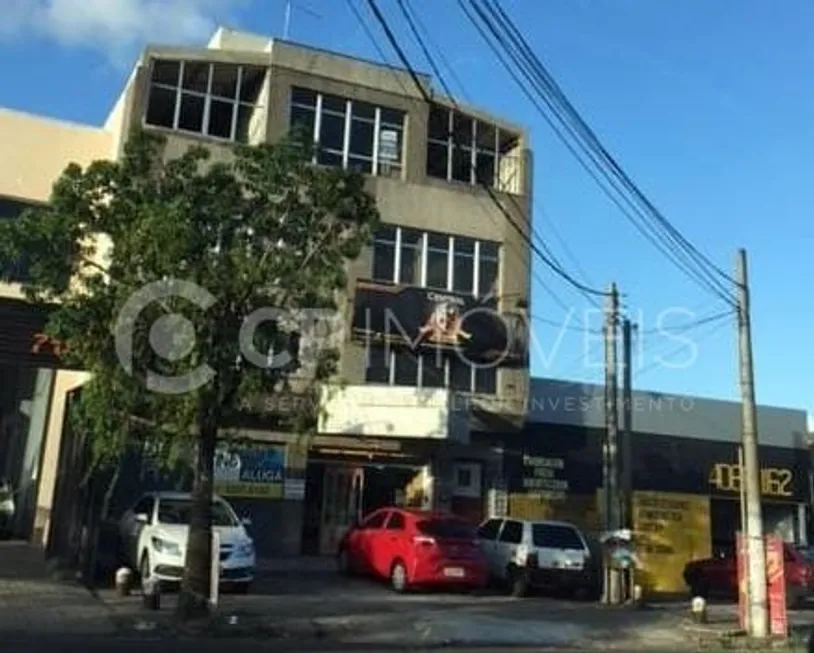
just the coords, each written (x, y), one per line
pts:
(580, 510)
(670, 530)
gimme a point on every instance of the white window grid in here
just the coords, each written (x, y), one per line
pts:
(472, 147)
(348, 117)
(208, 96)
(478, 255)
(427, 359)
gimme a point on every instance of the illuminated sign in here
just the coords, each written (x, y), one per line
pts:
(774, 481)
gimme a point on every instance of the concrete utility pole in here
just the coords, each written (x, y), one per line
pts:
(613, 587)
(626, 484)
(758, 608)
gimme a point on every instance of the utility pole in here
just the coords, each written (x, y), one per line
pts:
(758, 612)
(613, 586)
(626, 484)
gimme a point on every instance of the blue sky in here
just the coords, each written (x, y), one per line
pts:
(707, 105)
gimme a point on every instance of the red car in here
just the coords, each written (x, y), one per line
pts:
(719, 576)
(414, 548)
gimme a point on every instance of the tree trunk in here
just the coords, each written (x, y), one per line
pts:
(193, 599)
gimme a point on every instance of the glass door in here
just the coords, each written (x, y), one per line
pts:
(341, 504)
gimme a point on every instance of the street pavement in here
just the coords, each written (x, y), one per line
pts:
(315, 609)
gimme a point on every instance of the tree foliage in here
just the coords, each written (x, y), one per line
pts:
(263, 229)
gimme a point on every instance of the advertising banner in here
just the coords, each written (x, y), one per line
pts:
(776, 578)
(250, 472)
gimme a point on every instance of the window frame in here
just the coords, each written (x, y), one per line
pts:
(471, 145)
(424, 249)
(390, 360)
(376, 167)
(207, 96)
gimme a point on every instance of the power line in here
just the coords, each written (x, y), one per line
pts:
(690, 325)
(648, 368)
(644, 216)
(537, 250)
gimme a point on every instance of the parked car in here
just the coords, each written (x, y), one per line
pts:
(154, 534)
(718, 576)
(413, 548)
(524, 554)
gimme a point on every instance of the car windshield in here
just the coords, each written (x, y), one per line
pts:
(556, 536)
(177, 511)
(452, 529)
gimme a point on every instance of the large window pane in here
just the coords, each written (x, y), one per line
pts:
(332, 132)
(438, 127)
(437, 159)
(303, 120)
(334, 103)
(460, 374)
(361, 138)
(304, 96)
(392, 118)
(406, 372)
(485, 168)
(384, 261)
(463, 265)
(161, 107)
(486, 380)
(378, 367)
(462, 130)
(192, 111)
(433, 371)
(224, 80)
(251, 83)
(462, 164)
(359, 164)
(438, 262)
(166, 72)
(333, 159)
(487, 277)
(196, 76)
(486, 137)
(363, 110)
(410, 264)
(220, 118)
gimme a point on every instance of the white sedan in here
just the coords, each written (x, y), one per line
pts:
(154, 535)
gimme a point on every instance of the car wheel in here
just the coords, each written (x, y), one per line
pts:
(144, 568)
(398, 576)
(518, 583)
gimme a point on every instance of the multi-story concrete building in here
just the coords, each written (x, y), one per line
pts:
(398, 429)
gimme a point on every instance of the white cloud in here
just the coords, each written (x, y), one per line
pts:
(115, 27)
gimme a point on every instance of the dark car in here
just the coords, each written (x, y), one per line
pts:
(718, 576)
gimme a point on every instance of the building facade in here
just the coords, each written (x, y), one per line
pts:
(686, 476)
(398, 429)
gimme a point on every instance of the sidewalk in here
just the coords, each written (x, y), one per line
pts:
(34, 601)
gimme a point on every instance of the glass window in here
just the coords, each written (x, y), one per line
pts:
(485, 168)
(460, 374)
(144, 506)
(463, 265)
(555, 536)
(251, 82)
(462, 164)
(389, 146)
(487, 269)
(512, 532)
(438, 127)
(361, 138)
(412, 244)
(462, 130)
(332, 132)
(396, 522)
(434, 369)
(438, 261)
(384, 255)
(376, 520)
(303, 119)
(485, 380)
(406, 368)
(334, 104)
(486, 137)
(489, 529)
(437, 160)
(178, 511)
(304, 97)
(453, 529)
(209, 100)
(378, 365)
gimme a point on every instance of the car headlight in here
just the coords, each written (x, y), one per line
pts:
(166, 547)
(245, 549)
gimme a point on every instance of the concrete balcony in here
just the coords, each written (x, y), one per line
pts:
(396, 412)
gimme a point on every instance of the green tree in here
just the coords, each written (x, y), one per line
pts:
(265, 229)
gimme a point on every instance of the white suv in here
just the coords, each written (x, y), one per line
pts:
(523, 554)
(154, 534)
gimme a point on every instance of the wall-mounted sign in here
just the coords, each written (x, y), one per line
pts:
(774, 481)
(250, 472)
(543, 476)
(23, 340)
(389, 146)
(419, 318)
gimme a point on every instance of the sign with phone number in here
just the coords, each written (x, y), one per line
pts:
(250, 490)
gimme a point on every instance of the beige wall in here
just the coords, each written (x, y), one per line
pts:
(34, 153)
